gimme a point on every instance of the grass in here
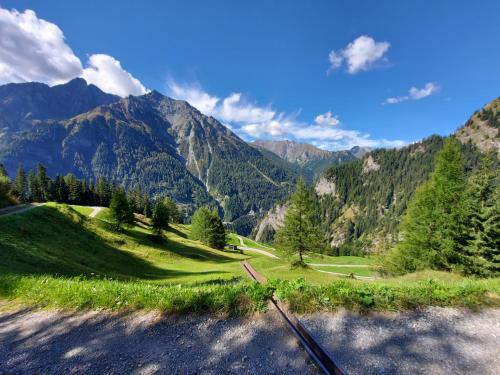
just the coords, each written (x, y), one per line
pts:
(56, 256)
(82, 210)
(390, 295)
(58, 240)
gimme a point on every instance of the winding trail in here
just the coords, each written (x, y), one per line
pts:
(338, 265)
(252, 249)
(346, 275)
(11, 210)
(95, 211)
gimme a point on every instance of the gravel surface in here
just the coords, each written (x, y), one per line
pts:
(433, 341)
(48, 342)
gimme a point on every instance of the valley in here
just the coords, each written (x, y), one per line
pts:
(251, 188)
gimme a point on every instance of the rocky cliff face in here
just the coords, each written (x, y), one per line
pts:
(483, 128)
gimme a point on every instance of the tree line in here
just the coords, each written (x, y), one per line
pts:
(37, 186)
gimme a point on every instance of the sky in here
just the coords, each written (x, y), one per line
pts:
(331, 73)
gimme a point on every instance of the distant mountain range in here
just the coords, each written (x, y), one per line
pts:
(164, 145)
(312, 160)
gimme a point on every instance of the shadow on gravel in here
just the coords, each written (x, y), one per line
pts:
(97, 343)
(436, 341)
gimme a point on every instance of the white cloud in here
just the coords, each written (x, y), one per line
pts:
(33, 49)
(106, 72)
(415, 94)
(327, 119)
(194, 95)
(251, 121)
(360, 54)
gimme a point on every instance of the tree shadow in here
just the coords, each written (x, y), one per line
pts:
(97, 342)
(415, 342)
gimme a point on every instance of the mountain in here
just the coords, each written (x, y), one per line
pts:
(163, 145)
(22, 104)
(312, 160)
(361, 202)
(359, 151)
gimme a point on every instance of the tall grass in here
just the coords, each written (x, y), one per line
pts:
(240, 298)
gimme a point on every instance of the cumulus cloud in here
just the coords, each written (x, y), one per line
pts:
(415, 93)
(251, 121)
(361, 54)
(327, 119)
(107, 73)
(33, 49)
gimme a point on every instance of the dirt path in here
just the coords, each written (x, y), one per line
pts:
(338, 265)
(95, 211)
(47, 342)
(346, 274)
(252, 249)
(19, 208)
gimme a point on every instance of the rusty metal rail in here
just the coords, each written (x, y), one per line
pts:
(315, 351)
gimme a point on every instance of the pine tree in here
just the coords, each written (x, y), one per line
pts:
(43, 182)
(120, 209)
(21, 185)
(483, 221)
(74, 188)
(300, 233)
(173, 211)
(207, 227)
(4, 186)
(433, 228)
(34, 188)
(160, 217)
(146, 204)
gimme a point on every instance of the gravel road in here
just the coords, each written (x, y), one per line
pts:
(97, 343)
(433, 341)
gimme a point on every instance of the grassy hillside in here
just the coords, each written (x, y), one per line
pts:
(57, 256)
(61, 240)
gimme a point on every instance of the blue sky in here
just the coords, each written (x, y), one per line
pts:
(332, 73)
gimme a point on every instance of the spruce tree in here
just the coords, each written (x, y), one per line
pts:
(43, 182)
(207, 227)
(160, 217)
(483, 221)
(433, 229)
(4, 186)
(20, 186)
(300, 233)
(121, 211)
(173, 211)
(34, 188)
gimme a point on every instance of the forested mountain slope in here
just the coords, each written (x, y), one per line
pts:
(164, 145)
(361, 202)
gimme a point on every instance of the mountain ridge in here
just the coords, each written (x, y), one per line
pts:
(164, 145)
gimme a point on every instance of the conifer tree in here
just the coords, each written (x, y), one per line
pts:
(207, 227)
(483, 221)
(43, 182)
(160, 217)
(433, 228)
(173, 211)
(34, 188)
(120, 209)
(300, 233)
(4, 185)
(20, 186)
